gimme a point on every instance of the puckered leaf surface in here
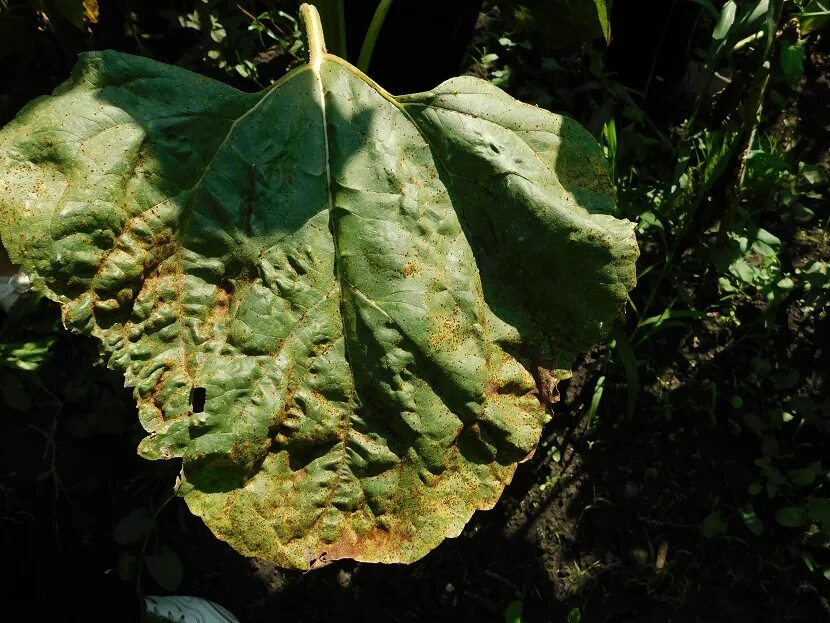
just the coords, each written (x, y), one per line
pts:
(376, 294)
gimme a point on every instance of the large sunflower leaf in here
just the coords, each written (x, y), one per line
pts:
(373, 297)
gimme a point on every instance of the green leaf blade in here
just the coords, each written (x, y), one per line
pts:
(522, 177)
(311, 257)
(792, 516)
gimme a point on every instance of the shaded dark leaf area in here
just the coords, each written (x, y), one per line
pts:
(685, 474)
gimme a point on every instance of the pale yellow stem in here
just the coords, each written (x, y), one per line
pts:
(314, 35)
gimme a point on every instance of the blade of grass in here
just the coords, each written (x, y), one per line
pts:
(368, 47)
(629, 362)
(668, 315)
(595, 401)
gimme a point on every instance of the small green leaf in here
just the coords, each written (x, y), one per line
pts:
(751, 520)
(792, 60)
(725, 21)
(126, 568)
(165, 568)
(786, 284)
(802, 477)
(754, 423)
(513, 612)
(134, 527)
(792, 517)
(713, 525)
(766, 242)
(25, 355)
(14, 394)
(650, 220)
(818, 509)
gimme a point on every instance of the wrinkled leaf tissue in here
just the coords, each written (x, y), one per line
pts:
(344, 311)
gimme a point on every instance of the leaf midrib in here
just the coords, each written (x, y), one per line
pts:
(344, 425)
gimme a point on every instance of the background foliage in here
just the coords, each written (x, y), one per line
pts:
(685, 475)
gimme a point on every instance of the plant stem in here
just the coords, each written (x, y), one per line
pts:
(371, 38)
(315, 41)
(333, 17)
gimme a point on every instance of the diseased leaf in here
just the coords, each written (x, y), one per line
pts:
(373, 297)
(91, 11)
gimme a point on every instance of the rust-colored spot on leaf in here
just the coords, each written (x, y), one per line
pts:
(360, 545)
